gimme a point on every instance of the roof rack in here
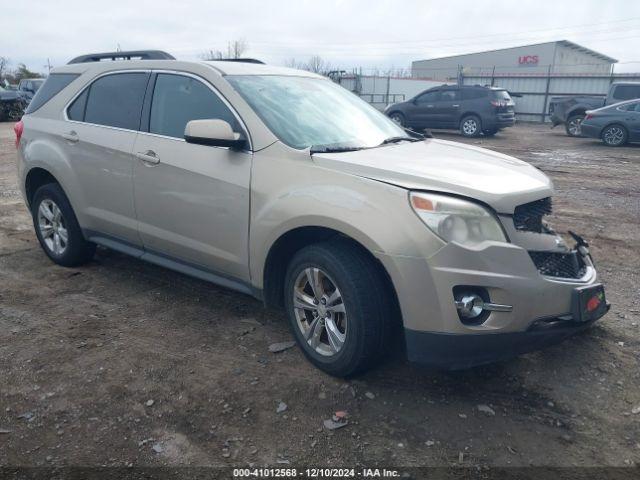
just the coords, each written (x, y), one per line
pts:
(132, 55)
(241, 60)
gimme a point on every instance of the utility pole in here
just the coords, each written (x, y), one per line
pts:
(48, 66)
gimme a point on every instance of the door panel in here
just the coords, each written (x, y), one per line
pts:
(192, 201)
(447, 108)
(423, 113)
(633, 122)
(101, 158)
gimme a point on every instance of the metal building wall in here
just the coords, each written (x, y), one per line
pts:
(381, 91)
(537, 90)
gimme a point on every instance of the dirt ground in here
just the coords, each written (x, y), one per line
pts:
(123, 363)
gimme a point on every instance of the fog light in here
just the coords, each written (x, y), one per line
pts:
(473, 308)
(470, 305)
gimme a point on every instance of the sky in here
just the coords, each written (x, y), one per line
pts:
(347, 34)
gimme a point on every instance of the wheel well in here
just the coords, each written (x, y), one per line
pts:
(578, 111)
(35, 179)
(394, 111)
(469, 114)
(283, 250)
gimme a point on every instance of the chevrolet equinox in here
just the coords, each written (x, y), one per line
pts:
(282, 184)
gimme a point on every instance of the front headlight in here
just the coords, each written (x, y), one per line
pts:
(456, 220)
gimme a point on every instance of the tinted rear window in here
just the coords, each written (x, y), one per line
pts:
(116, 100)
(51, 87)
(626, 92)
(501, 95)
(474, 93)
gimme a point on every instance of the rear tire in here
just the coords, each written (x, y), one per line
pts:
(614, 135)
(471, 126)
(572, 126)
(57, 227)
(360, 320)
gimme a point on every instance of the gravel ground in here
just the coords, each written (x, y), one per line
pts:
(124, 363)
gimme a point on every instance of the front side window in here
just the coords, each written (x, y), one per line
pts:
(305, 112)
(178, 99)
(428, 97)
(116, 100)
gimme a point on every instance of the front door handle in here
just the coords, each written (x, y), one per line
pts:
(72, 136)
(456, 105)
(149, 157)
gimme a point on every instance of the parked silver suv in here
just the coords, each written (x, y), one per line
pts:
(283, 185)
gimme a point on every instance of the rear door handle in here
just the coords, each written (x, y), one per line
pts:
(456, 105)
(149, 157)
(72, 136)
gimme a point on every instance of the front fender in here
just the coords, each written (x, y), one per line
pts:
(290, 191)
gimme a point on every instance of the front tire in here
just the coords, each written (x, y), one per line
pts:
(339, 307)
(57, 227)
(614, 135)
(573, 125)
(471, 126)
(398, 118)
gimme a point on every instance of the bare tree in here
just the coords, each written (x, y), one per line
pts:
(293, 63)
(4, 62)
(235, 49)
(317, 64)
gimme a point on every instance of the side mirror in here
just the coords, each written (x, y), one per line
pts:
(216, 133)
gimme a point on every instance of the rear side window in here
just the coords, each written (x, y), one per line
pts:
(449, 95)
(626, 92)
(76, 110)
(631, 107)
(49, 89)
(474, 93)
(178, 99)
(116, 100)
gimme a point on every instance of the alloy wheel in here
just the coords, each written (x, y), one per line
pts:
(319, 311)
(470, 127)
(613, 136)
(52, 227)
(574, 126)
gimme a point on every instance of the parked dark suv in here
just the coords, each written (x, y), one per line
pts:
(472, 109)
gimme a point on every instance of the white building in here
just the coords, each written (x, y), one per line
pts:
(560, 57)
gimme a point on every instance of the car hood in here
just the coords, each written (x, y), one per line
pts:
(501, 181)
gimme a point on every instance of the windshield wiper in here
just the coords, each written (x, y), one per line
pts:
(332, 149)
(389, 140)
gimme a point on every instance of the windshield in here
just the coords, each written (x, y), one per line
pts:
(312, 112)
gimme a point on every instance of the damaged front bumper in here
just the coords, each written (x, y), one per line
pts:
(527, 310)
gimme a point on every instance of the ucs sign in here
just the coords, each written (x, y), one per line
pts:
(528, 59)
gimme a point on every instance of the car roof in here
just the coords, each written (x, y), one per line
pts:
(221, 67)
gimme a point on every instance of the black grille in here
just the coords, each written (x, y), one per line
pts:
(562, 265)
(528, 217)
